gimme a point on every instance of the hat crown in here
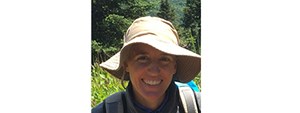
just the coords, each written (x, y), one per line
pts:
(163, 29)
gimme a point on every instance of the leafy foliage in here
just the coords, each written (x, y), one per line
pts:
(100, 52)
(103, 84)
(191, 21)
(111, 18)
(166, 11)
(136, 8)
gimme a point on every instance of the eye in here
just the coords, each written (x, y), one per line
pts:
(142, 58)
(166, 59)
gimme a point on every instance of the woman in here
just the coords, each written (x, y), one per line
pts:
(151, 59)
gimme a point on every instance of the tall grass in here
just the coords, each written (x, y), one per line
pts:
(103, 84)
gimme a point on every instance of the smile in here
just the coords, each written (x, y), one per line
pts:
(152, 82)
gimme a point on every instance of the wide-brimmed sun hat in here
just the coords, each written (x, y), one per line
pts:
(162, 35)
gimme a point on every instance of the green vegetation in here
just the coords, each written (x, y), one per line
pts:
(103, 84)
(111, 18)
(166, 11)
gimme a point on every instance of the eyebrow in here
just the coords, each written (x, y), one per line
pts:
(139, 52)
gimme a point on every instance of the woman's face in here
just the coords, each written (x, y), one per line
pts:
(151, 72)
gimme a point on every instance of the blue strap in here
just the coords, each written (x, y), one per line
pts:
(191, 84)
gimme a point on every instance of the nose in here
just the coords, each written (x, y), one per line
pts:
(154, 69)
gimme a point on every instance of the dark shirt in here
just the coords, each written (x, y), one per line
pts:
(147, 110)
(170, 103)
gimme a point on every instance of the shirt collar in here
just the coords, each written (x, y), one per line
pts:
(136, 104)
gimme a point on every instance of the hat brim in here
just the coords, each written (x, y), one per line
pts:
(188, 63)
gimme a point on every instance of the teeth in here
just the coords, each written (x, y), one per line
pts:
(152, 82)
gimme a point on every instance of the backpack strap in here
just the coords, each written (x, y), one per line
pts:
(114, 103)
(198, 97)
(188, 99)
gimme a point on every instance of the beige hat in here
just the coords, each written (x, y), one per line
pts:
(160, 34)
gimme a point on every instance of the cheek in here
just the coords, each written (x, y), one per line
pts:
(136, 67)
(135, 71)
(172, 69)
